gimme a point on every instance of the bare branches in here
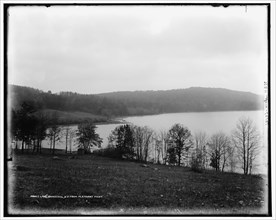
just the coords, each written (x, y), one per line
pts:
(247, 141)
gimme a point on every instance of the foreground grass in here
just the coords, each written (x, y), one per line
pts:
(97, 185)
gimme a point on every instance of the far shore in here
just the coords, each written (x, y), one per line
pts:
(109, 121)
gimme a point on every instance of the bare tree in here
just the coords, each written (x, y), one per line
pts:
(147, 136)
(163, 137)
(158, 147)
(143, 137)
(138, 139)
(40, 132)
(54, 133)
(71, 137)
(226, 152)
(246, 139)
(200, 154)
(219, 151)
(160, 143)
(67, 133)
(232, 158)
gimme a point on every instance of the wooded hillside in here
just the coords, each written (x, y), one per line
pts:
(194, 99)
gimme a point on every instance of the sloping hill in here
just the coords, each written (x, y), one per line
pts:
(195, 99)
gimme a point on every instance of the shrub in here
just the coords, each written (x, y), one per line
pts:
(108, 152)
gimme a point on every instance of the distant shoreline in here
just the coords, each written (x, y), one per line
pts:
(112, 121)
(121, 120)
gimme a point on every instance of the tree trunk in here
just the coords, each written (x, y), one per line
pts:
(165, 152)
(40, 142)
(247, 161)
(22, 147)
(33, 146)
(54, 143)
(66, 140)
(179, 157)
(223, 165)
(244, 160)
(51, 142)
(37, 145)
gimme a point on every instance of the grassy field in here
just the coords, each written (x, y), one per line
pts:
(74, 117)
(99, 186)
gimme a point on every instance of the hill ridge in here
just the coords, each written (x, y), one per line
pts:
(127, 103)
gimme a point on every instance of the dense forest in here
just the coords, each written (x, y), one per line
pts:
(108, 105)
(194, 99)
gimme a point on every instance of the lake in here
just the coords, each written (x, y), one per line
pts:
(209, 122)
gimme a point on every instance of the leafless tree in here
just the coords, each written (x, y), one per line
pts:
(164, 137)
(232, 158)
(246, 139)
(219, 151)
(72, 134)
(139, 138)
(67, 133)
(143, 137)
(160, 144)
(148, 134)
(54, 133)
(200, 153)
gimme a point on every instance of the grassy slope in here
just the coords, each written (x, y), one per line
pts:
(73, 117)
(129, 188)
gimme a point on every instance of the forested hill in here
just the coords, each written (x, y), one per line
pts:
(195, 99)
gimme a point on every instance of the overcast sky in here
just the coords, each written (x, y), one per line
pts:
(99, 49)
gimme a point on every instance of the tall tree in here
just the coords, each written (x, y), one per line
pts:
(24, 123)
(164, 138)
(181, 140)
(40, 131)
(71, 138)
(122, 138)
(148, 134)
(67, 131)
(219, 150)
(87, 136)
(54, 133)
(161, 146)
(143, 137)
(200, 153)
(138, 136)
(246, 139)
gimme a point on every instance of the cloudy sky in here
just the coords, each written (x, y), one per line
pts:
(99, 49)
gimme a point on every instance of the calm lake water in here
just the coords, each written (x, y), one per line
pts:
(209, 122)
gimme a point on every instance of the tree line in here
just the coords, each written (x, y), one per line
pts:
(177, 146)
(194, 99)
(31, 127)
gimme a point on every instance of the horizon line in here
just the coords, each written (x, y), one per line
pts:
(149, 90)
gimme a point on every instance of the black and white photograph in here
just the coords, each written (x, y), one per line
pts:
(137, 109)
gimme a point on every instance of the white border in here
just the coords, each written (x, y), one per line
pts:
(272, 101)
